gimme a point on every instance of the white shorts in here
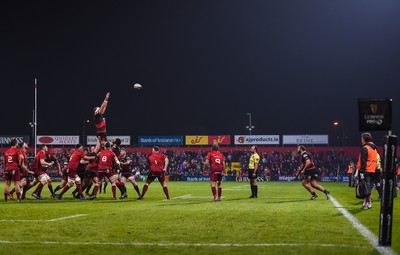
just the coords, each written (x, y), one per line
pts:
(44, 178)
(74, 180)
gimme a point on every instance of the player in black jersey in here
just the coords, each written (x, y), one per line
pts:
(52, 158)
(64, 174)
(126, 173)
(117, 150)
(310, 173)
(100, 121)
(90, 171)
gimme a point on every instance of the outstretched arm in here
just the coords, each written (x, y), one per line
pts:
(103, 106)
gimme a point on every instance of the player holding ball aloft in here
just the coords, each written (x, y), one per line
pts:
(310, 174)
(99, 120)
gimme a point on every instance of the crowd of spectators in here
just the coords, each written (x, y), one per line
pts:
(273, 164)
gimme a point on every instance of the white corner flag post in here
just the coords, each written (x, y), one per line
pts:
(35, 120)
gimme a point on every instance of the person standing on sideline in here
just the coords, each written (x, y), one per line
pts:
(216, 160)
(398, 175)
(366, 164)
(376, 177)
(310, 174)
(253, 171)
(350, 170)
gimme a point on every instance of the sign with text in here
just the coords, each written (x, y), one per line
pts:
(160, 140)
(196, 140)
(6, 139)
(375, 114)
(256, 139)
(125, 139)
(219, 139)
(305, 139)
(58, 139)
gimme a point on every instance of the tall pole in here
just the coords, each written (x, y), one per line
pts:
(33, 128)
(249, 127)
(35, 118)
(83, 132)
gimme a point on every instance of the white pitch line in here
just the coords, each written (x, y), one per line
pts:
(68, 217)
(237, 187)
(50, 220)
(372, 239)
(190, 196)
(183, 244)
(183, 197)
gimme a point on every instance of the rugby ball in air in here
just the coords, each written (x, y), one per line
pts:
(137, 86)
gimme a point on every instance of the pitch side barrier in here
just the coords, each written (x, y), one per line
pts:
(226, 178)
(350, 151)
(259, 179)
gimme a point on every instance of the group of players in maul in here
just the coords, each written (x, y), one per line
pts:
(88, 167)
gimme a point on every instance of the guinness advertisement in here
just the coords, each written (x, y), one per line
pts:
(375, 114)
(6, 139)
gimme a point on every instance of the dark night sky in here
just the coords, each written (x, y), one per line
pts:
(295, 65)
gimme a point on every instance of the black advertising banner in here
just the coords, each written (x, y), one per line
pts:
(6, 139)
(375, 114)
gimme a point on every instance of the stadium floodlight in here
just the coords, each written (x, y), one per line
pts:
(249, 127)
(84, 131)
(340, 124)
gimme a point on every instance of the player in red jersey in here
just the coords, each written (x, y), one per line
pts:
(23, 166)
(217, 165)
(99, 120)
(81, 173)
(40, 167)
(72, 168)
(105, 168)
(11, 170)
(126, 173)
(158, 167)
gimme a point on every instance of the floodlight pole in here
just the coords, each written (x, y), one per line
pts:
(84, 131)
(35, 119)
(249, 127)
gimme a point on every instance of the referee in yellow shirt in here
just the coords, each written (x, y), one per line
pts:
(253, 171)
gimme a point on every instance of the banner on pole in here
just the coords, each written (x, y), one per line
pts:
(375, 114)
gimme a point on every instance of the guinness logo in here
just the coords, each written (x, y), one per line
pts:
(374, 108)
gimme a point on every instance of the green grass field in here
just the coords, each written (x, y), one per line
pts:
(281, 221)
